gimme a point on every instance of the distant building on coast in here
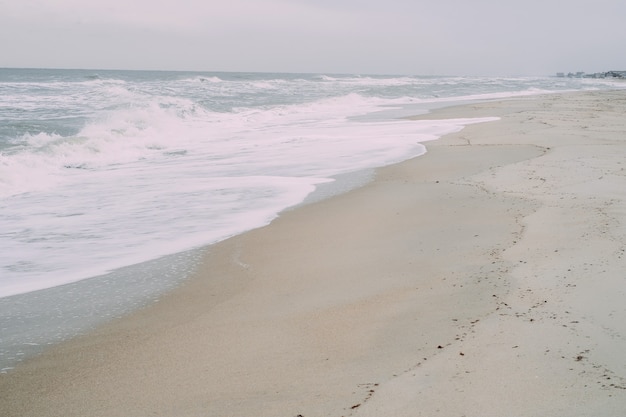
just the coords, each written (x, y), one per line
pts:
(616, 74)
(580, 74)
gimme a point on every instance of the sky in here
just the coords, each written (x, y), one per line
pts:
(411, 37)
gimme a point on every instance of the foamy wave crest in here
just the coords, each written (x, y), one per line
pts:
(135, 133)
(332, 108)
(372, 81)
(213, 79)
(22, 171)
(121, 136)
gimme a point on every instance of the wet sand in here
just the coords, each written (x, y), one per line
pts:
(484, 278)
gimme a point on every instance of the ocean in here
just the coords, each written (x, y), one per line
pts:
(112, 182)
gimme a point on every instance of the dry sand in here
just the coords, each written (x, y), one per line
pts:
(486, 278)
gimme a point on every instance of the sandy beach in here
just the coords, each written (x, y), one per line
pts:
(485, 278)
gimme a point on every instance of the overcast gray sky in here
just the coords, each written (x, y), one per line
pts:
(435, 37)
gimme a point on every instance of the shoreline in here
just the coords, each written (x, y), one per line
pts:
(413, 293)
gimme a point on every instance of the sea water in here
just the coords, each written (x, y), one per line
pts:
(122, 175)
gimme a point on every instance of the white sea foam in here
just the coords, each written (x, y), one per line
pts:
(146, 182)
